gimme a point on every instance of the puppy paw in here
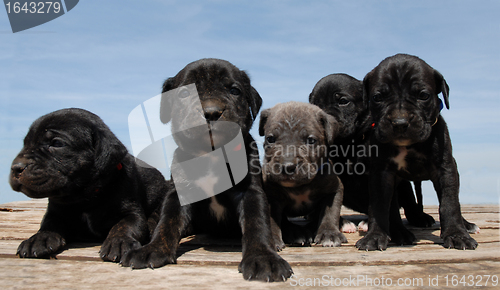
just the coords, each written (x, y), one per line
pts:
(348, 227)
(402, 236)
(114, 248)
(363, 226)
(471, 228)
(458, 239)
(422, 220)
(41, 245)
(267, 267)
(330, 238)
(150, 256)
(297, 235)
(279, 245)
(373, 241)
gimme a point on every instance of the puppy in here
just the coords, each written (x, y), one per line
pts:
(298, 177)
(242, 210)
(341, 96)
(414, 144)
(96, 191)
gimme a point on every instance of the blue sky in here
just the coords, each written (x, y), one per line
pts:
(110, 56)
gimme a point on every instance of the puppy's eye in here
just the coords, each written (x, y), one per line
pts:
(344, 101)
(311, 140)
(377, 97)
(184, 94)
(424, 96)
(235, 91)
(270, 139)
(57, 143)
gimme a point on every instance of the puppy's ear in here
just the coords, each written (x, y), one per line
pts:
(255, 102)
(331, 126)
(166, 103)
(442, 87)
(366, 93)
(263, 119)
(108, 150)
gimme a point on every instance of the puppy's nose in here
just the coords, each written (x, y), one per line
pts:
(289, 168)
(213, 110)
(17, 169)
(400, 124)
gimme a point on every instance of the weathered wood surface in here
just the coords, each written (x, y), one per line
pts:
(207, 263)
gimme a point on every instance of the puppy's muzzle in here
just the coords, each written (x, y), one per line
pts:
(401, 122)
(213, 110)
(18, 166)
(288, 168)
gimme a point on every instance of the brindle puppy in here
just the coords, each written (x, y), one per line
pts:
(414, 144)
(298, 177)
(96, 191)
(225, 94)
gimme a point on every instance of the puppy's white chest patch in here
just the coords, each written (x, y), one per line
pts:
(400, 159)
(218, 210)
(207, 184)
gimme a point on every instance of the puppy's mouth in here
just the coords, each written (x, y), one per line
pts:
(402, 142)
(289, 177)
(33, 185)
(222, 132)
(34, 188)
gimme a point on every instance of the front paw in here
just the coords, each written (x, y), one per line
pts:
(297, 235)
(114, 248)
(373, 241)
(150, 256)
(421, 220)
(470, 227)
(267, 267)
(330, 238)
(402, 236)
(279, 245)
(41, 245)
(458, 239)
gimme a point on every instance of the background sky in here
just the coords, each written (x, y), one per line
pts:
(110, 56)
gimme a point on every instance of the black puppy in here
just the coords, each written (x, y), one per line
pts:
(298, 177)
(226, 94)
(341, 96)
(414, 144)
(96, 191)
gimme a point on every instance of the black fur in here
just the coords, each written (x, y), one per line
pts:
(414, 144)
(341, 96)
(96, 191)
(226, 95)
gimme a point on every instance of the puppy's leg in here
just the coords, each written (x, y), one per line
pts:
(276, 223)
(260, 260)
(126, 235)
(399, 234)
(162, 249)
(446, 184)
(50, 239)
(414, 211)
(328, 233)
(381, 193)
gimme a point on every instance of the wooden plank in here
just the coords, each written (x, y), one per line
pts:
(53, 274)
(207, 263)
